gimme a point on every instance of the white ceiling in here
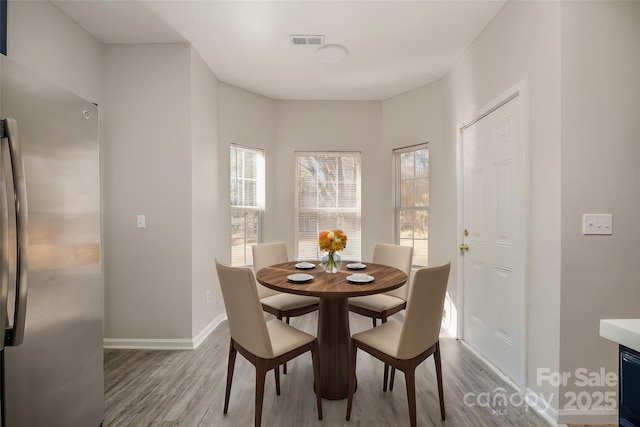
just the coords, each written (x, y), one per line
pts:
(394, 46)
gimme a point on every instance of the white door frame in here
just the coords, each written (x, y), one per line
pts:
(520, 89)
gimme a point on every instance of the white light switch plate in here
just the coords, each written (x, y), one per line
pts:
(141, 221)
(597, 224)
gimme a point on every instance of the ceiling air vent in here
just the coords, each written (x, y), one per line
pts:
(306, 40)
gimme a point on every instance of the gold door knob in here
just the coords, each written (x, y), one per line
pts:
(463, 247)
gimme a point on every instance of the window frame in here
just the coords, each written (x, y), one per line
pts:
(398, 208)
(353, 238)
(259, 207)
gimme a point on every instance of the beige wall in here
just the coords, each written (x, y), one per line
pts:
(162, 157)
(206, 214)
(246, 119)
(415, 117)
(521, 43)
(335, 126)
(43, 38)
(600, 174)
(148, 272)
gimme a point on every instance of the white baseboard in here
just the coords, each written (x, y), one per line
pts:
(568, 416)
(491, 366)
(587, 416)
(542, 406)
(164, 344)
(148, 344)
(208, 329)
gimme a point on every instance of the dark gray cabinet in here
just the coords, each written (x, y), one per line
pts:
(629, 413)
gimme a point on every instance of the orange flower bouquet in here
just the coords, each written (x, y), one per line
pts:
(331, 242)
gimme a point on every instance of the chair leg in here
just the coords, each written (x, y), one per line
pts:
(352, 377)
(231, 364)
(261, 373)
(410, 379)
(315, 360)
(384, 377)
(386, 367)
(437, 360)
(276, 374)
(374, 321)
(284, 367)
(393, 377)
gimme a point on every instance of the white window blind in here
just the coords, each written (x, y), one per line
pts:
(247, 202)
(412, 200)
(327, 198)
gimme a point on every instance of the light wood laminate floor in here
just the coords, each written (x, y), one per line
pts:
(186, 388)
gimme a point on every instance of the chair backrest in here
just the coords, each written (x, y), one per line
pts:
(396, 256)
(423, 319)
(244, 311)
(264, 255)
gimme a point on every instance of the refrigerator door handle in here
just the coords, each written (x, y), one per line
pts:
(4, 247)
(15, 335)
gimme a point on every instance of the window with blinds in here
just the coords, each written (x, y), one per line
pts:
(412, 200)
(247, 202)
(327, 198)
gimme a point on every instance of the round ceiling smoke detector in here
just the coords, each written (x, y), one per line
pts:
(331, 54)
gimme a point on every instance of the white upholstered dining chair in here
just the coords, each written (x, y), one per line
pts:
(281, 305)
(381, 306)
(406, 345)
(266, 345)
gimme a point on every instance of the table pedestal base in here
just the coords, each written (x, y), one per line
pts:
(334, 339)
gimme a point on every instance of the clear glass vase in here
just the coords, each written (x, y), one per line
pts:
(331, 262)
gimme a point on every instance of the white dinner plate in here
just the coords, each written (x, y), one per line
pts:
(356, 266)
(305, 265)
(360, 278)
(299, 278)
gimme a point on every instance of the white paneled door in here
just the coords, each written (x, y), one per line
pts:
(493, 238)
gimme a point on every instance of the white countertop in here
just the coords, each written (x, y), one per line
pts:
(622, 331)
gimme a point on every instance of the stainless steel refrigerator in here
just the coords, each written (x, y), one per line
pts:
(50, 273)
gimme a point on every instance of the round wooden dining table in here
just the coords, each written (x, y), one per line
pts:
(333, 315)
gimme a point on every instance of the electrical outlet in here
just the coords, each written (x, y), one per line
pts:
(208, 296)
